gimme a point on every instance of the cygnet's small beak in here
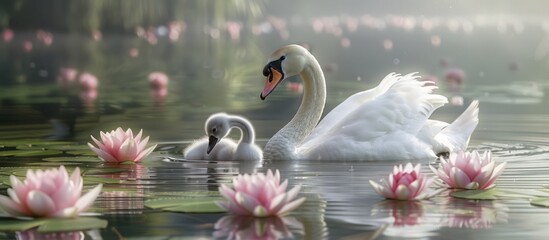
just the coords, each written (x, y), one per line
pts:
(211, 144)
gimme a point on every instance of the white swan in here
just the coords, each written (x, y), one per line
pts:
(216, 147)
(388, 122)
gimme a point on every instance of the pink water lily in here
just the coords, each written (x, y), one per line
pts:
(469, 170)
(49, 193)
(120, 146)
(404, 183)
(259, 195)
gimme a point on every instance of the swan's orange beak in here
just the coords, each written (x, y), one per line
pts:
(273, 79)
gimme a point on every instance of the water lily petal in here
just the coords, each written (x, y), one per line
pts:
(291, 206)
(460, 179)
(495, 174)
(260, 211)
(402, 193)
(246, 201)
(10, 207)
(145, 153)
(40, 204)
(87, 200)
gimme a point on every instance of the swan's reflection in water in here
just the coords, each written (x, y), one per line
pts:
(247, 227)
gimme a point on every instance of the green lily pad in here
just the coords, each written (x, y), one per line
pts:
(78, 159)
(32, 142)
(540, 202)
(30, 147)
(68, 225)
(489, 194)
(53, 164)
(186, 194)
(102, 171)
(30, 153)
(10, 224)
(96, 180)
(187, 205)
(82, 152)
(69, 147)
(493, 193)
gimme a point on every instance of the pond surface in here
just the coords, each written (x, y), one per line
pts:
(41, 120)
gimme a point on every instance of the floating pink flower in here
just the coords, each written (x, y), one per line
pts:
(7, 35)
(88, 81)
(50, 193)
(469, 170)
(27, 46)
(66, 76)
(404, 184)
(260, 195)
(158, 80)
(120, 146)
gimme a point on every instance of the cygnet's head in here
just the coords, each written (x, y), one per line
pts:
(217, 127)
(285, 62)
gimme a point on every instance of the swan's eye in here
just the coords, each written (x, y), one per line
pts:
(282, 58)
(214, 130)
(266, 71)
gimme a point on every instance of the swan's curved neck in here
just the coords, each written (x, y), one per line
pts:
(248, 135)
(282, 145)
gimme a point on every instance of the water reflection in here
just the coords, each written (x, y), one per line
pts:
(33, 234)
(463, 213)
(246, 227)
(407, 218)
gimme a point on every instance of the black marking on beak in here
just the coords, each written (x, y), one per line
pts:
(211, 144)
(276, 65)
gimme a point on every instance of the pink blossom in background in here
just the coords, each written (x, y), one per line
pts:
(7, 35)
(133, 52)
(233, 28)
(295, 87)
(454, 78)
(345, 42)
(158, 83)
(119, 146)
(469, 170)
(404, 183)
(49, 193)
(259, 195)
(430, 78)
(27, 46)
(158, 80)
(45, 37)
(66, 76)
(88, 81)
(387, 44)
(96, 35)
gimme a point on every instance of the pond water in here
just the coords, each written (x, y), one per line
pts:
(210, 70)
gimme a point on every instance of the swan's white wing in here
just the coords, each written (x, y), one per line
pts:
(351, 104)
(394, 116)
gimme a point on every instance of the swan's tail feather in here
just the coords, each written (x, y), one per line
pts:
(412, 89)
(456, 136)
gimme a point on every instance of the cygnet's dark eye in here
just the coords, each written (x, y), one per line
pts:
(214, 130)
(282, 57)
